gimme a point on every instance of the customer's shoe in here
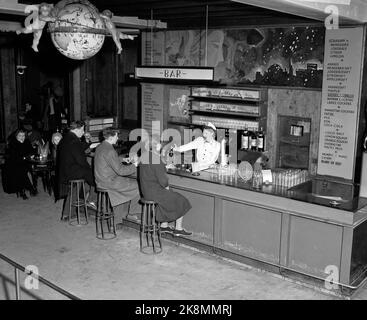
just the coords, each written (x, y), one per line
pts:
(33, 192)
(182, 232)
(133, 217)
(64, 219)
(23, 195)
(91, 205)
(119, 226)
(167, 229)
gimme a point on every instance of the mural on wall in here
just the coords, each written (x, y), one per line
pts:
(291, 56)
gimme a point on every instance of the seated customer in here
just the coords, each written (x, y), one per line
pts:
(111, 174)
(154, 185)
(55, 140)
(72, 165)
(16, 168)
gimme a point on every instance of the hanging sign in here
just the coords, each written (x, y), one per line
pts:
(175, 73)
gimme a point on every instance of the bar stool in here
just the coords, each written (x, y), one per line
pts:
(78, 203)
(104, 214)
(150, 228)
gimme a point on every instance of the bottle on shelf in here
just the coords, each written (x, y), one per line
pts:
(253, 140)
(245, 138)
(260, 140)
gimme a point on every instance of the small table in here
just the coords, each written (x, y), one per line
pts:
(43, 168)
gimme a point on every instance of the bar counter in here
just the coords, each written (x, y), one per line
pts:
(275, 228)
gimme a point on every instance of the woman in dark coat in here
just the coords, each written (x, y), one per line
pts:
(16, 168)
(154, 186)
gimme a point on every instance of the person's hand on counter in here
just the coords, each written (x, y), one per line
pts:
(135, 160)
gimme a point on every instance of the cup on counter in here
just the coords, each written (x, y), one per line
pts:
(257, 179)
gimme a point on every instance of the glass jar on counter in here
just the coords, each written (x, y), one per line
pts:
(257, 179)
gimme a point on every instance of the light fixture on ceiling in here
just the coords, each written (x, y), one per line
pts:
(77, 28)
(21, 69)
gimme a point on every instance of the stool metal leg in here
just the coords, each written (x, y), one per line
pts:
(107, 214)
(78, 202)
(102, 216)
(142, 227)
(152, 223)
(158, 229)
(70, 201)
(147, 226)
(98, 211)
(85, 205)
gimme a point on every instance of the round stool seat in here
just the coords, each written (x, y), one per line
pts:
(150, 228)
(143, 201)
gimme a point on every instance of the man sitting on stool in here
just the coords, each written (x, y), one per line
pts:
(72, 165)
(111, 175)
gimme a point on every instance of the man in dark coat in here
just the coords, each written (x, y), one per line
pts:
(154, 184)
(72, 165)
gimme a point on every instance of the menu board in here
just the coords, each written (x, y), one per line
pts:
(152, 107)
(340, 102)
(152, 51)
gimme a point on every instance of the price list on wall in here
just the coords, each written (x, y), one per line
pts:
(152, 51)
(340, 101)
(152, 107)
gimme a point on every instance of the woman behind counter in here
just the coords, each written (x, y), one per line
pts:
(154, 186)
(16, 168)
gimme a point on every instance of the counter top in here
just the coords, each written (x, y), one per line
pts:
(301, 194)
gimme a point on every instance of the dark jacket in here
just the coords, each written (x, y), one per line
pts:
(14, 175)
(153, 183)
(72, 163)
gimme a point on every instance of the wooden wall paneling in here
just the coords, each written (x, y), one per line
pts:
(31, 80)
(7, 59)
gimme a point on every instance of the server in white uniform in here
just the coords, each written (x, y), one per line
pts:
(207, 148)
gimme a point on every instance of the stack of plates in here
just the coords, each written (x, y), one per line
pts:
(245, 170)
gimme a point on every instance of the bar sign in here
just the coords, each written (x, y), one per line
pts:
(174, 73)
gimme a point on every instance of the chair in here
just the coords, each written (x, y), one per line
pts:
(104, 214)
(150, 228)
(77, 185)
(44, 170)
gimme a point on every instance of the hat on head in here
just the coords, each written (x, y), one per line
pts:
(209, 125)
